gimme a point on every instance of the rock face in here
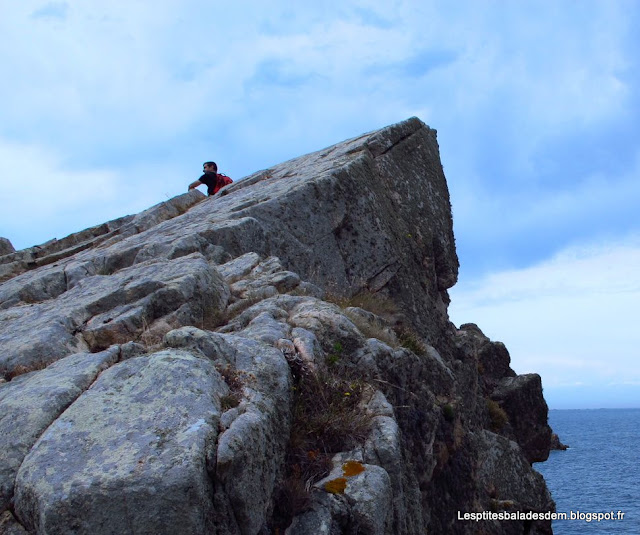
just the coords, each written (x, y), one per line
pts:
(274, 359)
(6, 247)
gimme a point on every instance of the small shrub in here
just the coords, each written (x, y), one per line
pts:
(409, 340)
(152, 336)
(291, 495)
(327, 415)
(212, 319)
(237, 308)
(497, 417)
(371, 330)
(229, 401)
(334, 357)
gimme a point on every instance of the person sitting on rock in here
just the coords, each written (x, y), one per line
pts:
(214, 181)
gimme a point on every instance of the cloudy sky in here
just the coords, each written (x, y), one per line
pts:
(109, 107)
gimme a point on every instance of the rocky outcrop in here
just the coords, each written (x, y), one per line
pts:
(556, 444)
(276, 358)
(6, 247)
(527, 412)
(13, 263)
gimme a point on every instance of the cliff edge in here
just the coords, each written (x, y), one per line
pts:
(277, 358)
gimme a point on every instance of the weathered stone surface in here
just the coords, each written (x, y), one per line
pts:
(239, 267)
(400, 210)
(522, 400)
(31, 402)
(556, 444)
(9, 525)
(328, 516)
(501, 464)
(512, 484)
(6, 247)
(383, 448)
(131, 455)
(369, 496)
(103, 310)
(219, 309)
(107, 233)
(251, 451)
(252, 446)
(492, 358)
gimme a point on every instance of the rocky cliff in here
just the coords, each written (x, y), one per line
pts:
(274, 359)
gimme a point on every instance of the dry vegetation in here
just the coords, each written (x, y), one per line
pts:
(22, 370)
(328, 417)
(497, 417)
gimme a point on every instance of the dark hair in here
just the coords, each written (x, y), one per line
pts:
(212, 164)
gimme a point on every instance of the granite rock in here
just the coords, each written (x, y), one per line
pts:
(153, 367)
(132, 454)
(6, 247)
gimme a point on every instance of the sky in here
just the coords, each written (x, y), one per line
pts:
(109, 107)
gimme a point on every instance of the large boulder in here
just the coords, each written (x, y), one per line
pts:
(32, 402)
(6, 247)
(274, 358)
(521, 398)
(255, 429)
(132, 454)
(102, 310)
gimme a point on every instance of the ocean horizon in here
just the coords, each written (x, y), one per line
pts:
(596, 481)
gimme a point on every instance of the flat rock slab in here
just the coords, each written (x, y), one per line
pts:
(16, 263)
(103, 310)
(252, 447)
(131, 455)
(30, 403)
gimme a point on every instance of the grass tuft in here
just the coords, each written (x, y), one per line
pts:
(235, 382)
(328, 417)
(377, 303)
(410, 340)
(497, 417)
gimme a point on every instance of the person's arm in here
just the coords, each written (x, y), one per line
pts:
(194, 185)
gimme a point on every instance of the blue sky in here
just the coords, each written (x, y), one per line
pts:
(111, 107)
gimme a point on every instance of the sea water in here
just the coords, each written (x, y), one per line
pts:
(597, 480)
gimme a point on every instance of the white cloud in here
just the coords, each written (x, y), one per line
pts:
(39, 192)
(46, 198)
(35, 177)
(572, 318)
(146, 71)
(595, 203)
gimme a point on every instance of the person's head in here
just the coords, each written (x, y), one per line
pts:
(210, 167)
